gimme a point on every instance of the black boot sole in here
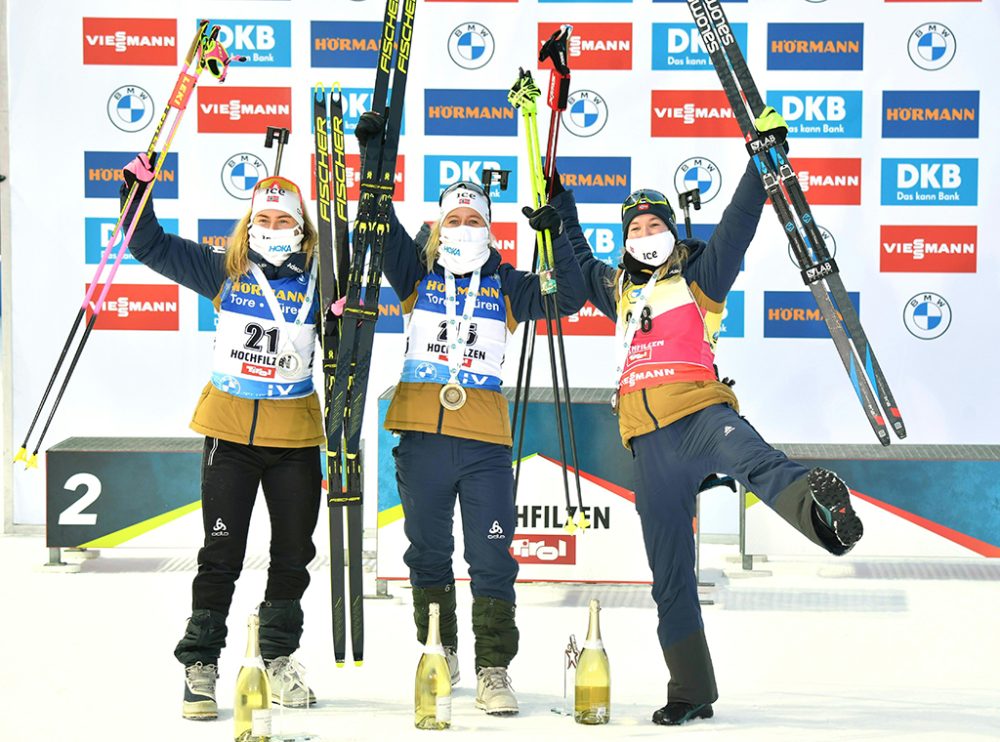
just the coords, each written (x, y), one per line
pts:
(832, 496)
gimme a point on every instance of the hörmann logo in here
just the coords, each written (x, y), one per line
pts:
(692, 113)
(930, 182)
(214, 233)
(815, 46)
(227, 110)
(390, 313)
(829, 180)
(442, 171)
(831, 114)
(468, 113)
(137, 307)
(102, 174)
(345, 43)
(264, 43)
(543, 548)
(130, 41)
(929, 114)
(679, 46)
(594, 46)
(597, 180)
(928, 249)
(794, 314)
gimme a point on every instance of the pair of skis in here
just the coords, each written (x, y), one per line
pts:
(347, 340)
(205, 52)
(818, 269)
(523, 95)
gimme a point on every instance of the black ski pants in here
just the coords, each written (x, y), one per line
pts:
(230, 476)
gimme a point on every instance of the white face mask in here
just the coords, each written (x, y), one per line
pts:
(275, 245)
(463, 249)
(653, 249)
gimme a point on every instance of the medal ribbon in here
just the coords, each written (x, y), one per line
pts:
(625, 337)
(456, 344)
(279, 316)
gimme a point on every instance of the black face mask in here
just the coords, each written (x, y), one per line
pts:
(293, 267)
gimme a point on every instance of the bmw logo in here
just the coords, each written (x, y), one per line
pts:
(931, 46)
(471, 46)
(229, 384)
(828, 240)
(700, 173)
(130, 108)
(586, 113)
(927, 316)
(426, 371)
(241, 173)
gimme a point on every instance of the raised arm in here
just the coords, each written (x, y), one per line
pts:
(598, 277)
(524, 288)
(401, 261)
(194, 266)
(717, 267)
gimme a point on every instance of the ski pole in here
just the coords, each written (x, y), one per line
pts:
(178, 101)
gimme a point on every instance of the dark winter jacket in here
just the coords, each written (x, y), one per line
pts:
(710, 271)
(285, 423)
(484, 417)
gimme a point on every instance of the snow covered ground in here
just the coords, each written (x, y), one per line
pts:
(804, 650)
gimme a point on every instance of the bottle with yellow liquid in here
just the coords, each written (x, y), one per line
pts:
(593, 676)
(252, 707)
(432, 688)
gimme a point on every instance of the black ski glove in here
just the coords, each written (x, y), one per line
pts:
(420, 239)
(140, 169)
(553, 185)
(370, 125)
(544, 218)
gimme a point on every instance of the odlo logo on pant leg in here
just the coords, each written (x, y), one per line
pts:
(496, 531)
(219, 529)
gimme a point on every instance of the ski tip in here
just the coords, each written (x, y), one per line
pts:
(570, 526)
(358, 663)
(32, 462)
(339, 663)
(21, 455)
(583, 522)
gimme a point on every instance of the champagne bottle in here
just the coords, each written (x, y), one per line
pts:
(593, 676)
(252, 707)
(432, 688)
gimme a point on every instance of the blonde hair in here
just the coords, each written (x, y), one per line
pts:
(238, 247)
(433, 245)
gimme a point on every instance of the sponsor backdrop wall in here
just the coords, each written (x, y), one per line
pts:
(886, 102)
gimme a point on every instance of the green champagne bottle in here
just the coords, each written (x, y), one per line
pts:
(432, 688)
(593, 676)
(252, 707)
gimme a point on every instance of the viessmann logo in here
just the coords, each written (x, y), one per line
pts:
(928, 249)
(594, 46)
(137, 307)
(692, 113)
(815, 46)
(468, 113)
(229, 110)
(930, 114)
(829, 180)
(130, 41)
(589, 321)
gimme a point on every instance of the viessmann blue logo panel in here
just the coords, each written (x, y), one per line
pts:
(469, 113)
(815, 46)
(930, 114)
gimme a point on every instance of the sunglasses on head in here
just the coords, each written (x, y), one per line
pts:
(647, 196)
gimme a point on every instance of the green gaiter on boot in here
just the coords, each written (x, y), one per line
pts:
(445, 598)
(496, 632)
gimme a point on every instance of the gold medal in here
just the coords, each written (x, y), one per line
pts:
(452, 396)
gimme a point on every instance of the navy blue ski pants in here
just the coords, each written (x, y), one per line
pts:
(431, 469)
(671, 463)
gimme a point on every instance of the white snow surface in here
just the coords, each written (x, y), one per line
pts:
(804, 650)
